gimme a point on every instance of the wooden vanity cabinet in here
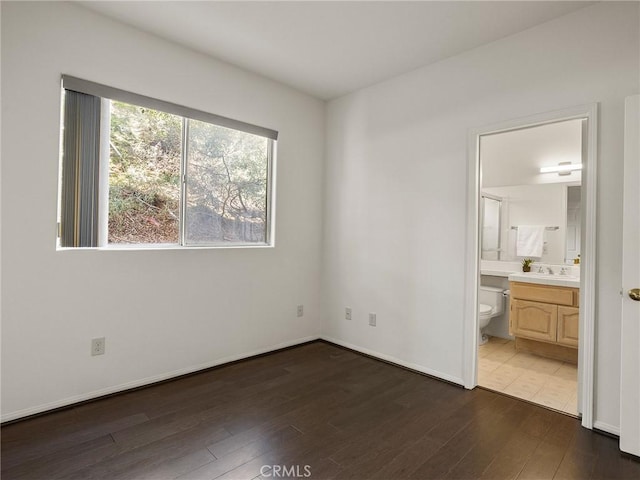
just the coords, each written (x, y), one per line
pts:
(534, 320)
(568, 326)
(544, 320)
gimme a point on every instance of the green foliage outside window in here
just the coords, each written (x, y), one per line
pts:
(226, 186)
(144, 175)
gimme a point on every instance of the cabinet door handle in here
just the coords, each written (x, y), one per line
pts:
(634, 294)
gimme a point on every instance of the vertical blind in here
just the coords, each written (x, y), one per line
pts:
(80, 167)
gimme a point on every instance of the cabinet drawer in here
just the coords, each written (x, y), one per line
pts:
(534, 320)
(543, 293)
(568, 321)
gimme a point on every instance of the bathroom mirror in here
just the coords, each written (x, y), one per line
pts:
(530, 205)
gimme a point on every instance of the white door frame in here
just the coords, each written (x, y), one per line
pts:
(586, 352)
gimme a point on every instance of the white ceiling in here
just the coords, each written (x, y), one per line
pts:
(515, 158)
(330, 48)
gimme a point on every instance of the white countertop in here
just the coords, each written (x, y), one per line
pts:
(546, 279)
(495, 273)
(499, 269)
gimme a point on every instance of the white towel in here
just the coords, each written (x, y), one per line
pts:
(530, 241)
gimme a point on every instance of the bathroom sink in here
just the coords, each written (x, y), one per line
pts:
(546, 279)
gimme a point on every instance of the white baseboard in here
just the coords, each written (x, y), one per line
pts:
(605, 427)
(389, 358)
(147, 381)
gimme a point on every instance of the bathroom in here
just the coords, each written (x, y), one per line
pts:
(530, 209)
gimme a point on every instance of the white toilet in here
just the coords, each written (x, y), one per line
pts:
(491, 304)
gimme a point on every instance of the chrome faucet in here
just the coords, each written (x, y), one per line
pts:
(540, 270)
(563, 271)
(549, 271)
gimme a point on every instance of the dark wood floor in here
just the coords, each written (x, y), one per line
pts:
(341, 414)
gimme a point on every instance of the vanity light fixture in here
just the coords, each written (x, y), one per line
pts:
(563, 168)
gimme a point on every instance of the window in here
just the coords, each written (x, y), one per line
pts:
(145, 151)
(141, 171)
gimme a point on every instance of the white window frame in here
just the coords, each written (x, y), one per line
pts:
(107, 94)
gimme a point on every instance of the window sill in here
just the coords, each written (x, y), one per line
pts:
(143, 248)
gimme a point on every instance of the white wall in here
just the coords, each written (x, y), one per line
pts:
(165, 311)
(395, 186)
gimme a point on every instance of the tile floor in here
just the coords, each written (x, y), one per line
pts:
(540, 380)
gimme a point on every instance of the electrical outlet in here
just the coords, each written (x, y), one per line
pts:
(347, 313)
(300, 310)
(372, 319)
(97, 346)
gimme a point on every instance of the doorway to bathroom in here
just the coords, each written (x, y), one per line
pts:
(533, 199)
